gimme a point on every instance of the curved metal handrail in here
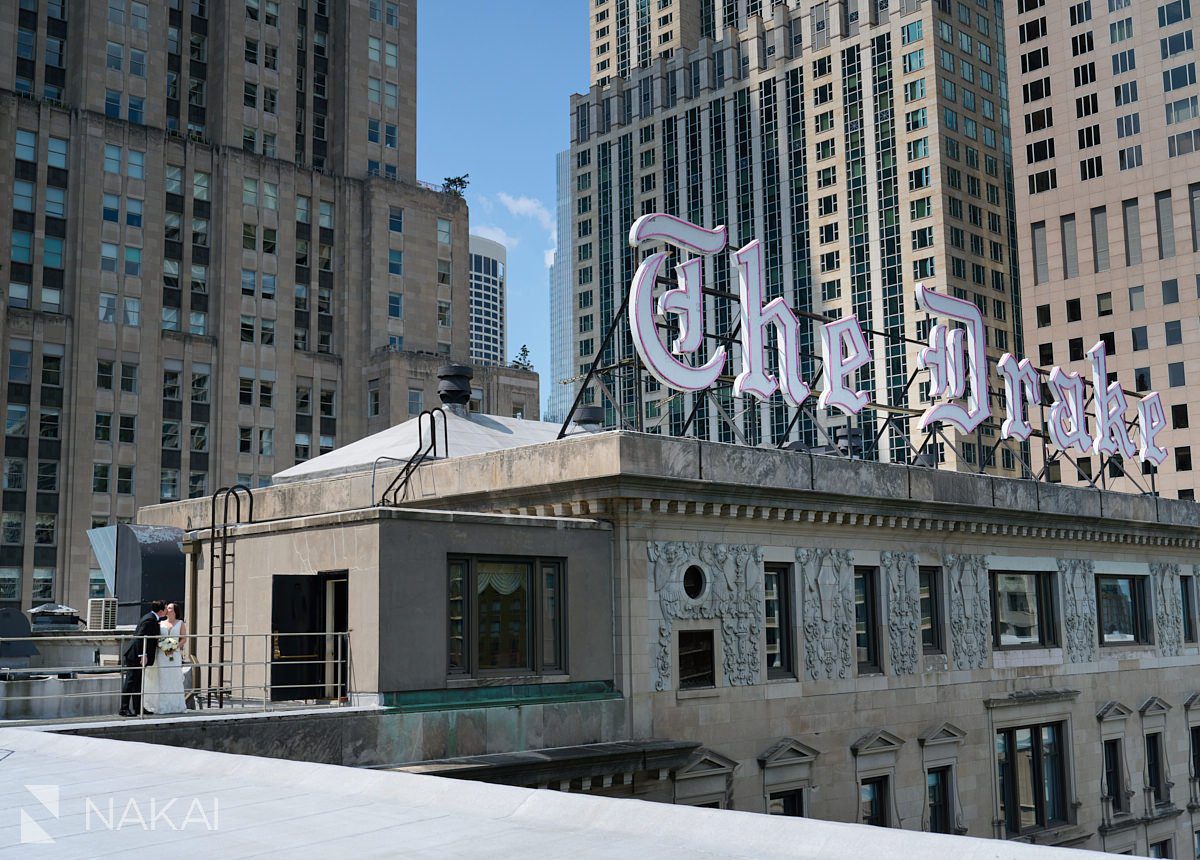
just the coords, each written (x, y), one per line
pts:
(374, 469)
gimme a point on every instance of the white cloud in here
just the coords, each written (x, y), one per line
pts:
(497, 234)
(529, 207)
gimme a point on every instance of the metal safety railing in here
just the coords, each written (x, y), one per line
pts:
(84, 675)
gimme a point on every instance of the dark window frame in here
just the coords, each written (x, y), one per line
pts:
(1156, 772)
(882, 788)
(785, 619)
(792, 802)
(1143, 625)
(873, 664)
(468, 662)
(1010, 790)
(941, 812)
(1187, 605)
(695, 645)
(1113, 755)
(935, 642)
(1047, 610)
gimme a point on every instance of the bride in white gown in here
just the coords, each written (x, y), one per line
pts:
(162, 688)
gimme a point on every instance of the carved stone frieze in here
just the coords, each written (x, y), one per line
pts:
(1168, 605)
(828, 606)
(732, 595)
(970, 610)
(902, 574)
(1078, 577)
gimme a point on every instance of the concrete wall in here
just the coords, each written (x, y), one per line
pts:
(396, 564)
(412, 593)
(370, 738)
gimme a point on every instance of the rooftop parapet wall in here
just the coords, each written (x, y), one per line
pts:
(621, 463)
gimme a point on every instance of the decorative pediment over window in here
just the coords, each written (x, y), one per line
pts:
(788, 751)
(1113, 710)
(1154, 705)
(945, 733)
(1191, 701)
(709, 763)
(881, 741)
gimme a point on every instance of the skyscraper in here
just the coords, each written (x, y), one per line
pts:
(562, 295)
(219, 259)
(862, 142)
(489, 305)
(1107, 135)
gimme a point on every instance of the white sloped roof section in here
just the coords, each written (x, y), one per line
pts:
(471, 434)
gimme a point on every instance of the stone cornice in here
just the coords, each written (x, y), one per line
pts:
(1091, 532)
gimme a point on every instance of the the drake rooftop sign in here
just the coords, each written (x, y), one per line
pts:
(956, 359)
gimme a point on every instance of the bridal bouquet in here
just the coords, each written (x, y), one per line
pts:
(168, 645)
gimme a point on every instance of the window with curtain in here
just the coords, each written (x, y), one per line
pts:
(506, 615)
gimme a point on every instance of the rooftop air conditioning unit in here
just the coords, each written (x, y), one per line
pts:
(102, 613)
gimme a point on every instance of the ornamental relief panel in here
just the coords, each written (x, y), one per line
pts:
(827, 579)
(1168, 608)
(732, 594)
(970, 610)
(901, 573)
(1078, 577)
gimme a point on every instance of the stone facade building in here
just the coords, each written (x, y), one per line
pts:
(218, 257)
(1105, 132)
(801, 634)
(863, 143)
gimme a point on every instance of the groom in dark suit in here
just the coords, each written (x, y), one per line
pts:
(138, 656)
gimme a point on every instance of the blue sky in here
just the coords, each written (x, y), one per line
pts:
(493, 101)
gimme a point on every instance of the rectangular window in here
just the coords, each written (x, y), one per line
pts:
(1165, 220)
(1174, 12)
(938, 793)
(1187, 584)
(1123, 610)
(931, 610)
(874, 798)
(10, 583)
(778, 620)
(1114, 776)
(1031, 768)
(13, 476)
(790, 803)
(1100, 239)
(1132, 232)
(697, 664)
(12, 528)
(43, 584)
(1023, 610)
(506, 615)
(866, 615)
(1156, 772)
(1041, 259)
(129, 377)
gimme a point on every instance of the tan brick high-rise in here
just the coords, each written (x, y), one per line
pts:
(218, 260)
(1106, 128)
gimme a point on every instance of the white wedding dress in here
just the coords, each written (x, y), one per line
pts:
(162, 688)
